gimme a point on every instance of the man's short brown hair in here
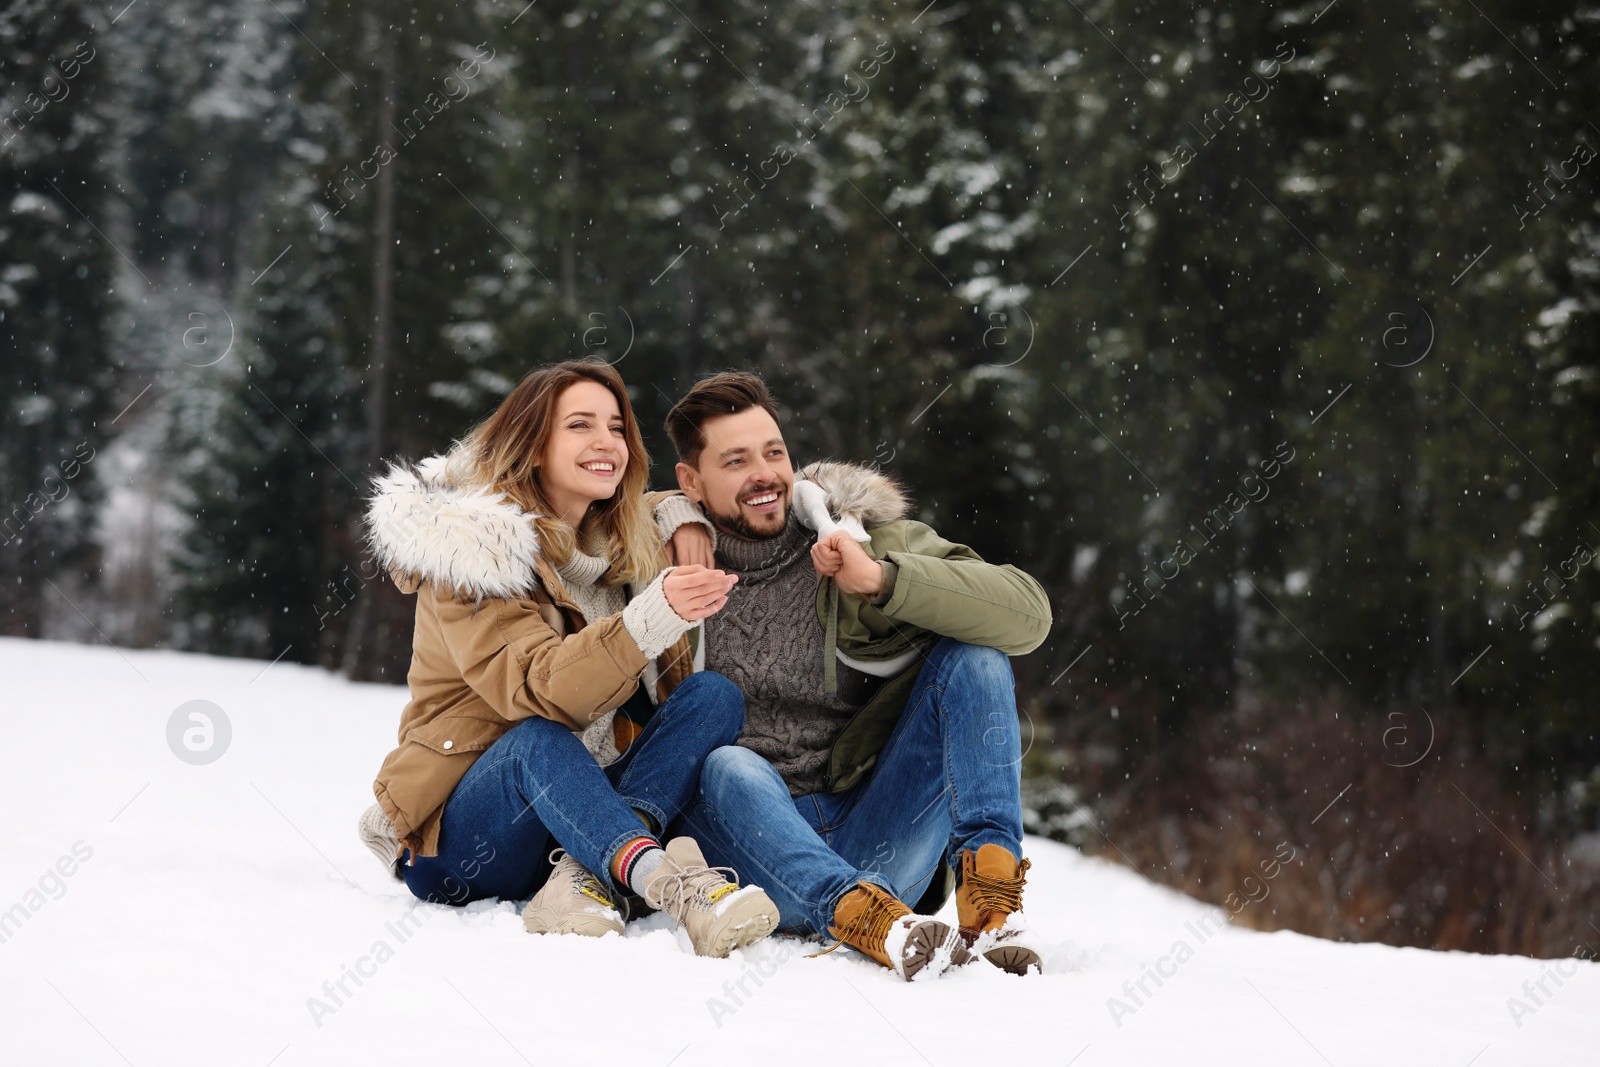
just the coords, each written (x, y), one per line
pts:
(727, 393)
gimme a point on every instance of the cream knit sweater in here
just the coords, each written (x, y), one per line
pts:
(648, 618)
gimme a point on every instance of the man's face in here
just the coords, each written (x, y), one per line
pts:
(743, 479)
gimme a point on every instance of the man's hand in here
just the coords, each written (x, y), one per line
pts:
(691, 544)
(696, 592)
(841, 557)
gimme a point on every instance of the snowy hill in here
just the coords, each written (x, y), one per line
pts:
(158, 911)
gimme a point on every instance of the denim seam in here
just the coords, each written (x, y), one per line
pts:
(949, 782)
(928, 693)
(935, 684)
(824, 826)
(649, 809)
(936, 691)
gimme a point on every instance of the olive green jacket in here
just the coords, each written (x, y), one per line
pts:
(935, 588)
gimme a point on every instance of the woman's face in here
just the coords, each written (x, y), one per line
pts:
(587, 451)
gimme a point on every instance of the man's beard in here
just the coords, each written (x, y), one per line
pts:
(739, 526)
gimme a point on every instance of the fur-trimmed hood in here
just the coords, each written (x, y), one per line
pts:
(423, 523)
(856, 498)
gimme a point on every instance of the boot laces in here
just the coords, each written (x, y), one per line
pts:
(679, 890)
(584, 883)
(870, 925)
(994, 894)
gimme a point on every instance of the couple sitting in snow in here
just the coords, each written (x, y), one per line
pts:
(814, 700)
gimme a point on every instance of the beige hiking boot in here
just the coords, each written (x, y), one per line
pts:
(573, 901)
(989, 906)
(718, 915)
(877, 925)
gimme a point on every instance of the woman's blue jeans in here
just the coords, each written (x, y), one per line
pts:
(537, 787)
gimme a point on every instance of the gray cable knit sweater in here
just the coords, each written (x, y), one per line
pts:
(768, 642)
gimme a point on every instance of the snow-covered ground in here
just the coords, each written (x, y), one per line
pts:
(158, 911)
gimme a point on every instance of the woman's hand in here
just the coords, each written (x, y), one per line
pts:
(691, 543)
(841, 557)
(696, 592)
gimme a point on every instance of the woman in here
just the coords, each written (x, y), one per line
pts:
(554, 695)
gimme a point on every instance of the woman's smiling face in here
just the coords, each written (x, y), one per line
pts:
(587, 452)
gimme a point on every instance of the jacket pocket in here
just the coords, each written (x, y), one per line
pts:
(451, 735)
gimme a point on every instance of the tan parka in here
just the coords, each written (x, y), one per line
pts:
(498, 639)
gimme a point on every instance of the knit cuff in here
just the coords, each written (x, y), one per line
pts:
(650, 620)
(377, 833)
(677, 509)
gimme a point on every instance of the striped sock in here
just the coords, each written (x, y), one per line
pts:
(636, 861)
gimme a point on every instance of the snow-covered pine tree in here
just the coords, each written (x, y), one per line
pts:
(56, 270)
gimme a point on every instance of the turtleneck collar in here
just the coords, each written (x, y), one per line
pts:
(759, 559)
(584, 568)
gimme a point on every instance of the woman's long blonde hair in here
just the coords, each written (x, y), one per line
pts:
(504, 451)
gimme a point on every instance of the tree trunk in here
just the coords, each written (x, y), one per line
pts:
(383, 239)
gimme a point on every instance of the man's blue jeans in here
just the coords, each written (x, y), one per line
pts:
(538, 787)
(949, 778)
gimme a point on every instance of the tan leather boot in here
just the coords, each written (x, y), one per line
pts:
(989, 907)
(878, 926)
(718, 915)
(573, 901)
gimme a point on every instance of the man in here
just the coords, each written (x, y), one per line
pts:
(882, 755)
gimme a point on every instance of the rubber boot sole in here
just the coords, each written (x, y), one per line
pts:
(930, 943)
(1014, 959)
(1008, 955)
(541, 922)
